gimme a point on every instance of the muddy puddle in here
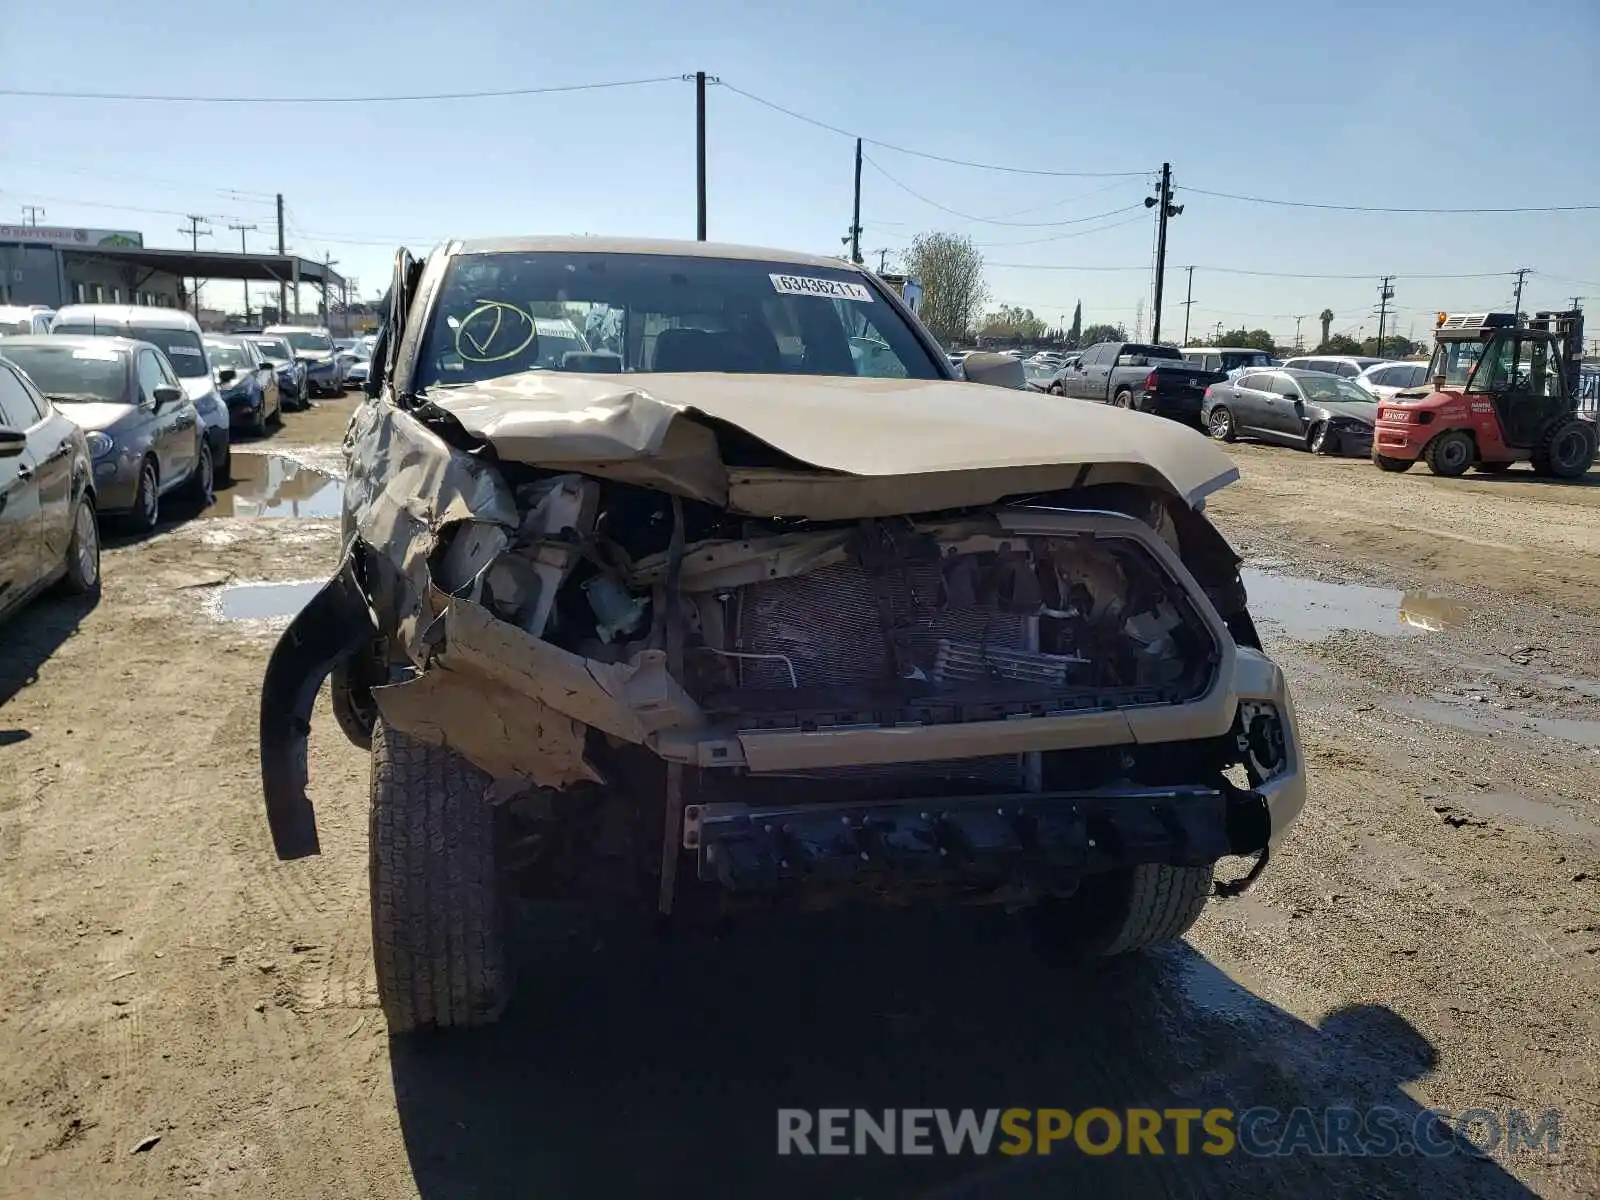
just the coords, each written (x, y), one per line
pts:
(1525, 810)
(1310, 609)
(263, 601)
(1481, 719)
(272, 485)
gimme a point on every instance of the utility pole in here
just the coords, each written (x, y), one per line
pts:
(1385, 294)
(283, 295)
(1166, 210)
(1298, 344)
(700, 154)
(1522, 274)
(855, 220)
(1188, 302)
(243, 249)
(328, 263)
(883, 261)
(194, 231)
(31, 214)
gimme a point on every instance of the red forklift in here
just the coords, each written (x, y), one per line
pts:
(1502, 393)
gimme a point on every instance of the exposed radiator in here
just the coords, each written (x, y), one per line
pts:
(826, 625)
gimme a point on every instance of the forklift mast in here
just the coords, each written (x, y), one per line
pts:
(1566, 328)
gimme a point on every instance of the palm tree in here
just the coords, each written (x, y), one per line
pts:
(1326, 317)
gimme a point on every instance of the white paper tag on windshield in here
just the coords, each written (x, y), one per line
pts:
(828, 289)
(96, 355)
(185, 351)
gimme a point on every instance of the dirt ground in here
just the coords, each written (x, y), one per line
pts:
(181, 1014)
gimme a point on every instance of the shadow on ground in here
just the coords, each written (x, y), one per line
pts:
(27, 640)
(642, 1068)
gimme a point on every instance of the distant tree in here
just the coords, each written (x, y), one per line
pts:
(1075, 334)
(1326, 317)
(1256, 339)
(950, 269)
(1339, 343)
(1102, 333)
(1012, 323)
(1394, 346)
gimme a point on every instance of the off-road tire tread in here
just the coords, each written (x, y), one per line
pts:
(1162, 903)
(1433, 456)
(1542, 462)
(438, 936)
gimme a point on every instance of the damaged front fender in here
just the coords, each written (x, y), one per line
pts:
(335, 625)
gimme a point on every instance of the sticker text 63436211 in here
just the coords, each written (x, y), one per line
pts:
(828, 289)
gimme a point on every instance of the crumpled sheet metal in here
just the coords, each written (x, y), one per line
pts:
(911, 444)
(517, 706)
(404, 486)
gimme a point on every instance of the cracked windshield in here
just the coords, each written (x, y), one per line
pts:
(937, 601)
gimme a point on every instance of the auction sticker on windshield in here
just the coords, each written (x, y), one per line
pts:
(810, 285)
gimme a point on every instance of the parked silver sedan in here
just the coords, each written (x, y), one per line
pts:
(143, 432)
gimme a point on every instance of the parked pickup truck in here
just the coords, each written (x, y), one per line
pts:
(1153, 379)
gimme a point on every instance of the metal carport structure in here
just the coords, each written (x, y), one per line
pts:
(283, 269)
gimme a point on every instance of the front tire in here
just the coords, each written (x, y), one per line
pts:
(1398, 465)
(146, 512)
(82, 577)
(438, 925)
(1322, 440)
(1451, 453)
(1123, 911)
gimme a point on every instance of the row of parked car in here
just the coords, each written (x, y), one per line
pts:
(118, 408)
(1323, 403)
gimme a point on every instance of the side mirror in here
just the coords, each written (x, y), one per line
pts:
(995, 370)
(1292, 396)
(165, 395)
(12, 441)
(227, 375)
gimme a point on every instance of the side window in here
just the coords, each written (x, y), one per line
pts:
(1100, 355)
(1346, 370)
(1212, 362)
(168, 375)
(1295, 364)
(18, 408)
(1280, 384)
(150, 376)
(1254, 382)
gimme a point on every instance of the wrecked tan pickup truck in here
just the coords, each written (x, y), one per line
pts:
(686, 577)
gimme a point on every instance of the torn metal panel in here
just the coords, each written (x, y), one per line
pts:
(405, 486)
(494, 727)
(943, 443)
(628, 700)
(708, 566)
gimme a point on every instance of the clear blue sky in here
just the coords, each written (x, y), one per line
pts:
(1424, 103)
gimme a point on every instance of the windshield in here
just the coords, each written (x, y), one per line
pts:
(224, 355)
(307, 340)
(181, 347)
(73, 373)
(1327, 389)
(274, 350)
(1455, 361)
(499, 314)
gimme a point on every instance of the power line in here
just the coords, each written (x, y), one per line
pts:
(957, 162)
(1264, 274)
(487, 94)
(1543, 208)
(1061, 237)
(910, 191)
(148, 180)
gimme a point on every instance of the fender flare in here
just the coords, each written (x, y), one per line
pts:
(336, 624)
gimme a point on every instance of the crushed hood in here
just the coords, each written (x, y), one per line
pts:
(905, 444)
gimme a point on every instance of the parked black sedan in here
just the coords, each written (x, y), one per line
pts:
(1306, 409)
(47, 516)
(247, 383)
(145, 437)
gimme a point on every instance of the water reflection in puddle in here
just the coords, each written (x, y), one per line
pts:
(270, 485)
(262, 601)
(1309, 609)
(1481, 719)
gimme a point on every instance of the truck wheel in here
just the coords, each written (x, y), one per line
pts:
(1124, 399)
(1451, 453)
(1398, 465)
(1566, 451)
(1122, 911)
(1220, 424)
(438, 926)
